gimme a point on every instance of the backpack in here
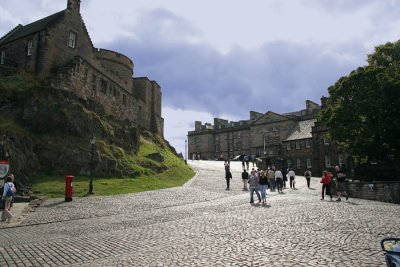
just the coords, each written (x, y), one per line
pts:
(9, 192)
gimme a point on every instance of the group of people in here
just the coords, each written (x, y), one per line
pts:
(329, 180)
(7, 191)
(258, 181)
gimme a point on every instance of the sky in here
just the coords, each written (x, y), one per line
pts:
(225, 58)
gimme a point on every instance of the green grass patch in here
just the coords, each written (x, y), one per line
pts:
(175, 173)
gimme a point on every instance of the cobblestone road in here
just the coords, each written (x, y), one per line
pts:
(201, 224)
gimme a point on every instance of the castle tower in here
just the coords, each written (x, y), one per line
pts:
(74, 5)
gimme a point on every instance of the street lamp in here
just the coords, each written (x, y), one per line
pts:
(185, 157)
(92, 143)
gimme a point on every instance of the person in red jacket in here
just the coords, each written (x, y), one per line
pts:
(326, 184)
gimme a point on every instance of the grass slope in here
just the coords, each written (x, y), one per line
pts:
(174, 173)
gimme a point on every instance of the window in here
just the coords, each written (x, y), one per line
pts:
(309, 164)
(271, 152)
(3, 57)
(217, 138)
(326, 142)
(289, 163)
(288, 146)
(308, 143)
(239, 145)
(266, 131)
(238, 135)
(274, 129)
(30, 48)
(297, 145)
(298, 163)
(327, 162)
(72, 40)
(217, 148)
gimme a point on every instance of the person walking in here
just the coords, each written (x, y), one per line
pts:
(245, 179)
(254, 184)
(279, 180)
(228, 177)
(271, 179)
(284, 174)
(247, 162)
(307, 174)
(340, 183)
(227, 166)
(292, 176)
(8, 194)
(326, 184)
(263, 186)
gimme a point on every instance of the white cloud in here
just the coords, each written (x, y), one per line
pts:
(224, 58)
(178, 122)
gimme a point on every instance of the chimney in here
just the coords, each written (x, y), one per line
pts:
(197, 125)
(74, 5)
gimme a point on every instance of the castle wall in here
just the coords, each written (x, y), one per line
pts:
(117, 65)
(102, 75)
(157, 122)
(57, 53)
(87, 81)
(150, 93)
(17, 52)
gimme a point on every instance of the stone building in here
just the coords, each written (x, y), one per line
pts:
(292, 140)
(298, 147)
(58, 47)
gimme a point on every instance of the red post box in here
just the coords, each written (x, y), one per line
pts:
(68, 188)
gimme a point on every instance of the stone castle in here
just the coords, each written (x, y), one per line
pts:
(59, 47)
(292, 140)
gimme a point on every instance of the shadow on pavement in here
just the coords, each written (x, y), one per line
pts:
(54, 204)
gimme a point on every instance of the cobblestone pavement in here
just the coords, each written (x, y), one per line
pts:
(202, 224)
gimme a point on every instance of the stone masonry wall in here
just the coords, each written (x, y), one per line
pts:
(118, 66)
(379, 191)
(56, 52)
(82, 78)
(16, 53)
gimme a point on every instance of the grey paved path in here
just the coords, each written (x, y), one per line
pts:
(201, 224)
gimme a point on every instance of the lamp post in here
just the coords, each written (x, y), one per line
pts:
(92, 143)
(265, 152)
(185, 157)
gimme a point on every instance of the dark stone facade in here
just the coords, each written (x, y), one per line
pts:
(59, 47)
(284, 140)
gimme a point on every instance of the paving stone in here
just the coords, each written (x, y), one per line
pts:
(201, 224)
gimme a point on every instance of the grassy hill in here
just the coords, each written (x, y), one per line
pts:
(46, 136)
(151, 174)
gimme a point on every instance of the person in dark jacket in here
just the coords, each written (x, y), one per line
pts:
(245, 179)
(340, 183)
(228, 177)
(307, 174)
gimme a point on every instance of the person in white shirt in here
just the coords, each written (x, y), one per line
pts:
(292, 176)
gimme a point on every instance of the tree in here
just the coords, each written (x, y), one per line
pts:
(363, 108)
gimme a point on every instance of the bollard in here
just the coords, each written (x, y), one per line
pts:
(68, 188)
